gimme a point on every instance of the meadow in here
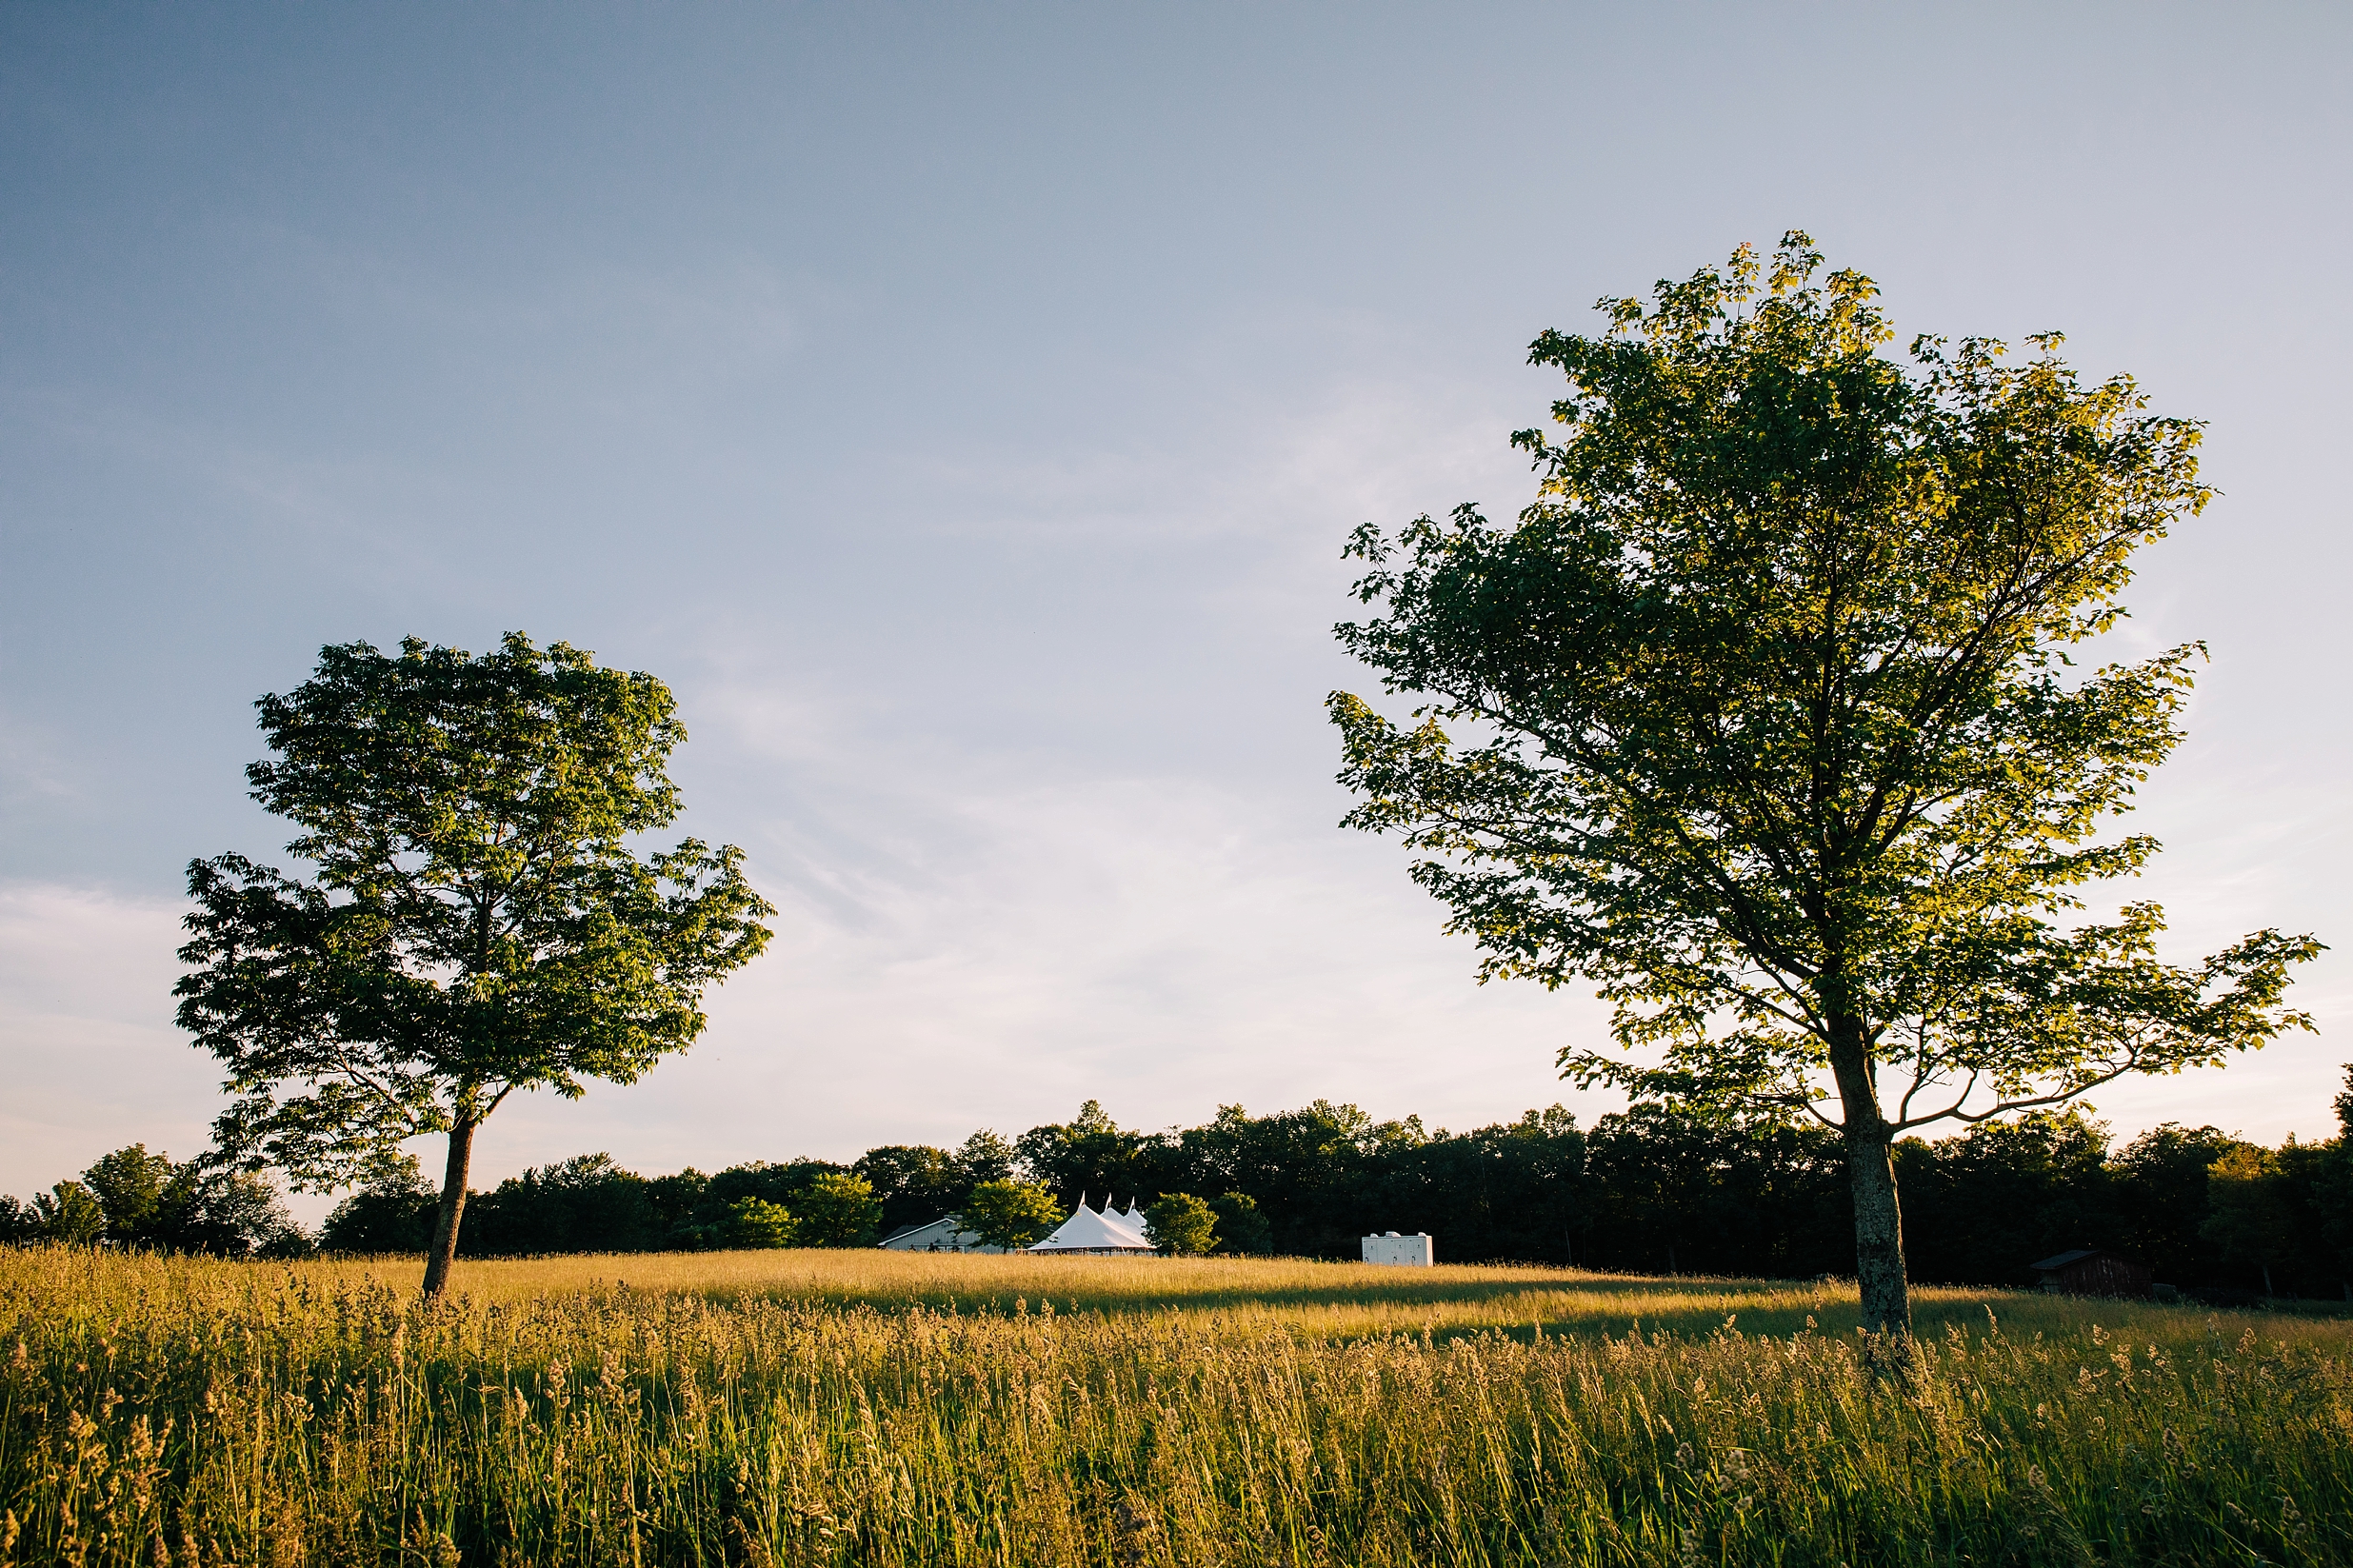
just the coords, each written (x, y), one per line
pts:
(864, 1407)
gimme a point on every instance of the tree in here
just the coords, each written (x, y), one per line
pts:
(20, 1223)
(1316, 1171)
(478, 921)
(70, 1213)
(1770, 727)
(149, 1200)
(1181, 1225)
(392, 1212)
(2336, 1191)
(839, 1210)
(2247, 1209)
(914, 1182)
(587, 1204)
(754, 1222)
(226, 1213)
(129, 1186)
(1241, 1228)
(1089, 1153)
(2311, 1186)
(1506, 1191)
(2158, 1185)
(1009, 1214)
(2007, 1192)
(985, 1157)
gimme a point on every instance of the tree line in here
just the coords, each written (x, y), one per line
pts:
(1652, 1189)
(134, 1199)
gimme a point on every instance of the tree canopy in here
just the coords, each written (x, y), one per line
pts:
(1766, 722)
(1181, 1225)
(478, 920)
(1008, 1214)
(150, 1201)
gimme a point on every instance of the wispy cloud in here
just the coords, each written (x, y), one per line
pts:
(92, 1057)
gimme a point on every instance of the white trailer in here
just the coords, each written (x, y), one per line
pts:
(1389, 1247)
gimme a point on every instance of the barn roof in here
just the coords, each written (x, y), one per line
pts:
(2065, 1258)
(948, 1231)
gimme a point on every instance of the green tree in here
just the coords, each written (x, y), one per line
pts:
(392, 1212)
(2335, 1192)
(754, 1222)
(1089, 1153)
(2159, 1186)
(839, 1210)
(914, 1182)
(1181, 1225)
(1009, 1214)
(2248, 1210)
(131, 1185)
(150, 1201)
(226, 1213)
(1768, 725)
(985, 1156)
(478, 921)
(20, 1223)
(587, 1204)
(70, 1213)
(1241, 1228)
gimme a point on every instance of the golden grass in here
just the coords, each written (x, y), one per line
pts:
(885, 1408)
(1325, 1299)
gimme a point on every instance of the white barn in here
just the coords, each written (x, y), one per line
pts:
(941, 1234)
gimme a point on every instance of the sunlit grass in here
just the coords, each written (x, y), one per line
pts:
(906, 1408)
(1324, 1299)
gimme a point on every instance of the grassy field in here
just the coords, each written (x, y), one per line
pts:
(799, 1407)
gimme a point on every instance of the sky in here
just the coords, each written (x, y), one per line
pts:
(962, 408)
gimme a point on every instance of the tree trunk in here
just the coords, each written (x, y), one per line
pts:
(443, 1251)
(1879, 1235)
(1872, 1174)
(2266, 1268)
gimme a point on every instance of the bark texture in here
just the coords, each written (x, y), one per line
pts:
(1871, 1175)
(443, 1251)
(1879, 1235)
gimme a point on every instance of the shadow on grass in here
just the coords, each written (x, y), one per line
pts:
(1371, 1289)
(1533, 1304)
(1340, 1301)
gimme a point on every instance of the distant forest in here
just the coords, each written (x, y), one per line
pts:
(1647, 1190)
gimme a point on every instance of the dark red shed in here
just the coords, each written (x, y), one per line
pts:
(2091, 1272)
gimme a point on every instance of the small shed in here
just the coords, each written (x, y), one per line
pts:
(1389, 1247)
(2089, 1271)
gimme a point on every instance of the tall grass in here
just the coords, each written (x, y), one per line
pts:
(803, 1408)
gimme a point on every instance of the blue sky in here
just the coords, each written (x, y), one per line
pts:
(962, 407)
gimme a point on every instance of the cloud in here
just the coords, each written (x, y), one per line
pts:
(946, 958)
(86, 1042)
(994, 956)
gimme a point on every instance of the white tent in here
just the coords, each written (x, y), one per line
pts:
(1088, 1231)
